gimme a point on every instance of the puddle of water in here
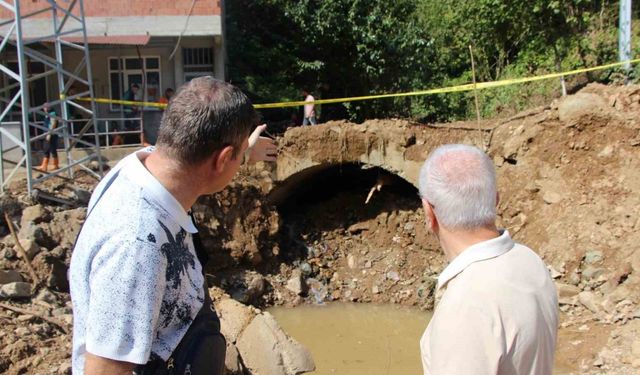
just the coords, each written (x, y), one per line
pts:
(366, 339)
(358, 339)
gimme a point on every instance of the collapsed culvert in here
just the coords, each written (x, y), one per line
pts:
(353, 232)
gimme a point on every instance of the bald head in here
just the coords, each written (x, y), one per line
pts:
(459, 182)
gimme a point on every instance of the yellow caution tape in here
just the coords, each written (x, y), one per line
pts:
(125, 102)
(443, 90)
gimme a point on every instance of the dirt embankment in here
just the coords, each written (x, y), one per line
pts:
(569, 179)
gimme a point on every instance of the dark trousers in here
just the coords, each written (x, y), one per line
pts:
(50, 147)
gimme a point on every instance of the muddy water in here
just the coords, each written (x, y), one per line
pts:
(365, 339)
(358, 339)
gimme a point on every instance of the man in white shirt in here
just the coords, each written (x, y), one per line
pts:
(498, 312)
(136, 275)
(309, 109)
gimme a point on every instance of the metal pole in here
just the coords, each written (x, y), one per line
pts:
(20, 37)
(1, 164)
(624, 34)
(24, 90)
(61, 91)
(87, 57)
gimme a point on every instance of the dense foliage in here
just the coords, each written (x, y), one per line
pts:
(338, 48)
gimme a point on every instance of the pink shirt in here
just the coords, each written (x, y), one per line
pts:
(309, 110)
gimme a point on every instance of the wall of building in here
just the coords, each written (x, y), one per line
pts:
(115, 8)
(171, 71)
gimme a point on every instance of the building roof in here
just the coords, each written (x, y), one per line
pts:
(108, 18)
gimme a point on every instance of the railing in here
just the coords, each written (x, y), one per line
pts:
(115, 131)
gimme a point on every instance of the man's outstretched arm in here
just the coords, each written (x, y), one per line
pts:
(95, 365)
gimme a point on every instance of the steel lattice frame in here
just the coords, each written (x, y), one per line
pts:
(67, 19)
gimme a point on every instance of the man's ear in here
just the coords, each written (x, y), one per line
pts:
(221, 158)
(430, 215)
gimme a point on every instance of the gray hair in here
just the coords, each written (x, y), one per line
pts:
(459, 181)
(205, 115)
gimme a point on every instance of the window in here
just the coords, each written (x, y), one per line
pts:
(125, 71)
(197, 62)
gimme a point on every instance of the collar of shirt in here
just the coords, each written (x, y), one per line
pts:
(138, 173)
(481, 251)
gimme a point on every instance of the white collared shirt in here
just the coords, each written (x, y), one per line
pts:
(136, 282)
(498, 313)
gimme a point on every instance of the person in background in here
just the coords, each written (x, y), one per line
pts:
(131, 112)
(498, 310)
(309, 109)
(51, 140)
(168, 93)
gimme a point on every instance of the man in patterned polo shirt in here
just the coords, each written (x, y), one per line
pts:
(136, 280)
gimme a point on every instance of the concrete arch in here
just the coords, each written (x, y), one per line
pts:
(306, 150)
(396, 146)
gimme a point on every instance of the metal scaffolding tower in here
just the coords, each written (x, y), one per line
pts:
(27, 38)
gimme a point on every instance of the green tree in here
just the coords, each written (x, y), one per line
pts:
(337, 47)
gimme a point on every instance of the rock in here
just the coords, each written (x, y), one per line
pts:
(267, 350)
(358, 227)
(31, 231)
(593, 257)
(65, 369)
(591, 273)
(375, 289)
(296, 284)
(352, 262)
(61, 311)
(317, 290)
(57, 275)
(635, 348)
(255, 288)
(598, 362)
(635, 261)
(591, 301)
(81, 195)
(554, 273)
(46, 296)
(33, 214)
(511, 147)
(8, 253)
(606, 152)
(67, 318)
(566, 290)
(393, 275)
(9, 276)
(620, 293)
(532, 187)
(305, 268)
(409, 227)
(64, 227)
(30, 247)
(574, 107)
(234, 317)
(551, 197)
(232, 360)
(94, 165)
(15, 290)
(573, 278)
